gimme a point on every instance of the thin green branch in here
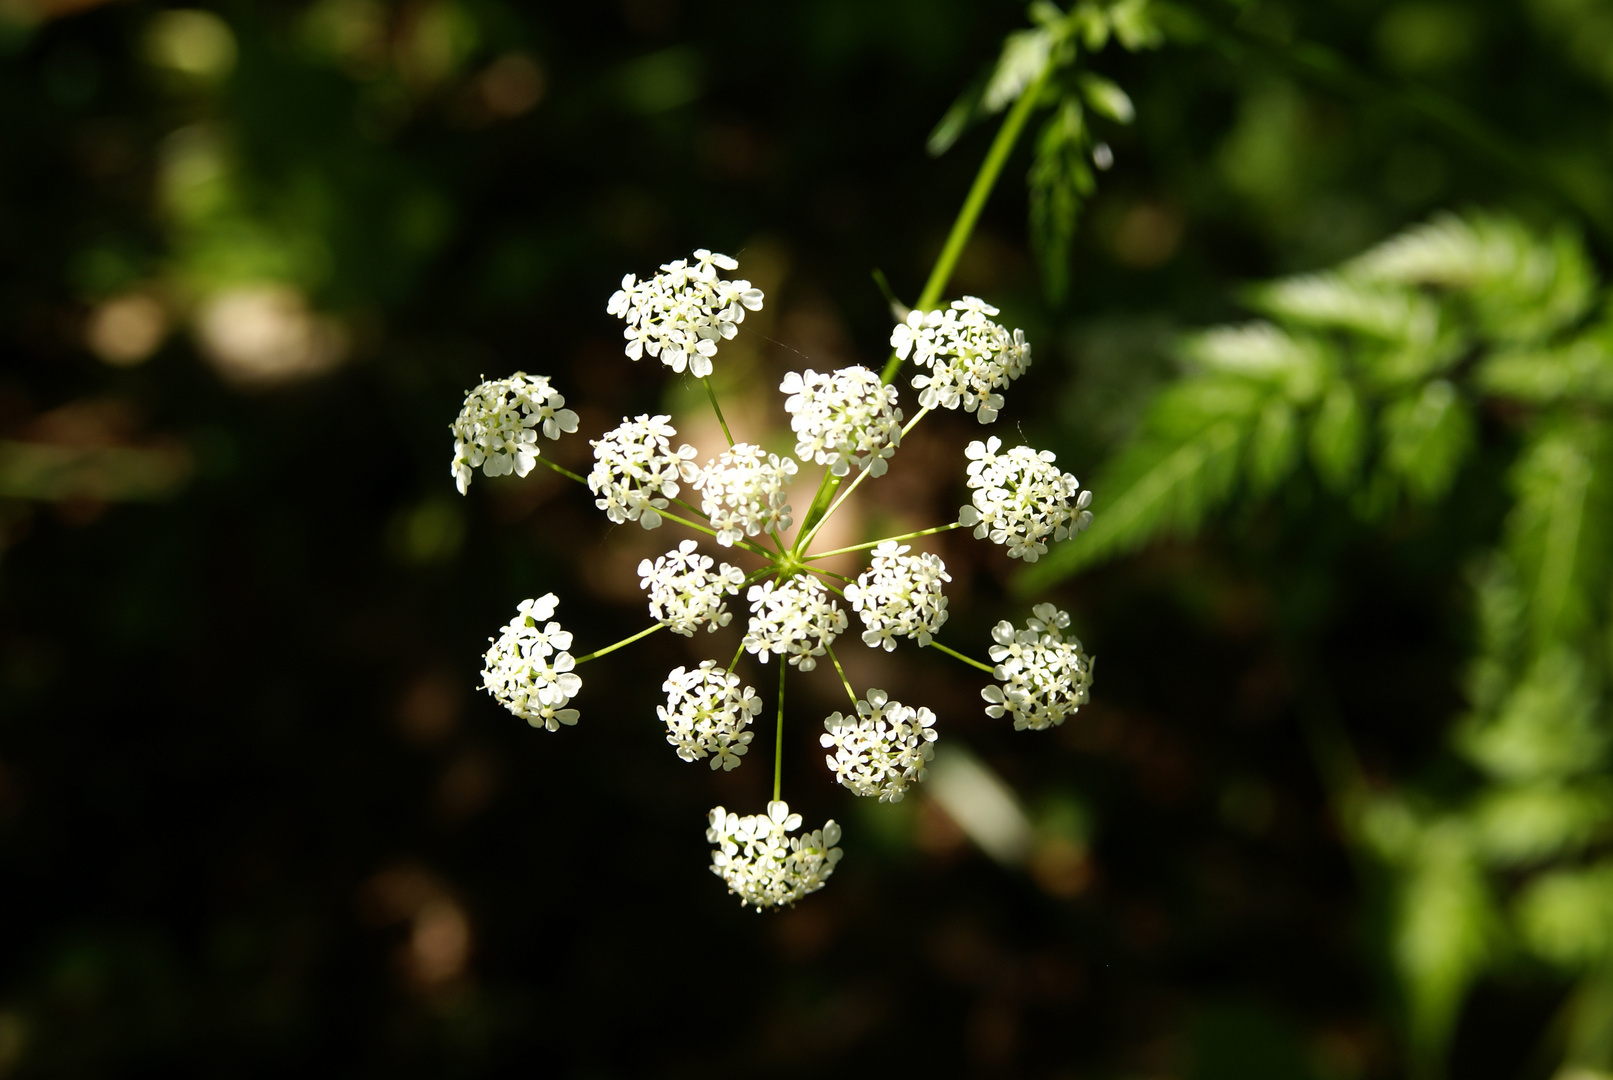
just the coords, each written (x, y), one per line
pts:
(746, 544)
(955, 654)
(778, 739)
(827, 514)
(887, 540)
(718, 409)
(843, 680)
(563, 471)
(608, 649)
(913, 423)
(819, 500)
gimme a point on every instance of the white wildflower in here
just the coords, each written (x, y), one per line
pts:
(682, 313)
(797, 618)
(882, 751)
(761, 864)
(970, 357)
(1020, 498)
(636, 470)
(743, 492)
(684, 591)
(843, 420)
(899, 595)
(528, 669)
(707, 712)
(1045, 675)
(498, 427)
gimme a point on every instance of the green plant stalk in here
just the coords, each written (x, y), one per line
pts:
(778, 740)
(843, 680)
(963, 227)
(887, 540)
(563, 472)
(987, 668)
(596, 654)
(717, 409)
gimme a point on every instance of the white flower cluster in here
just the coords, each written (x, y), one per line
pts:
(707, 712)
(636, 470)
(520, 674)
(743, 492)
(763, 865)
(899, 595)
(684, 591)
(498, 427)
(1045, 675)
(843, 419)
(1021, 498)
(882, 750)
(681, 313)
(797, 618)
(969, 356)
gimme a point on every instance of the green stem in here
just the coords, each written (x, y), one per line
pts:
(831, 573)
(718, 408)
(843, 680)
(819, 500)
(563, 472)
(987, 668)
(737, 654)
(913, 423)
(595, 655)
(778, 740)
(979, 192)
(827, 514)
(887, 540)
(746, 544)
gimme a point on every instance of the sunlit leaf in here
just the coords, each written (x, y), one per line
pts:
(1581, 370)
(1517, 824)
(1338, 436)
(1025, 55)
(1106, 98)
(1274, 446)
(1547, 727)
(959, 117)
(1259, 350)
(1426, 437)
(1566, 916)
(1335, 301)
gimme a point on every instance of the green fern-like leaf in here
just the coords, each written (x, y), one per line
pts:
(1581, 370)
(1566, 916)
(1338, 437)
(1060, 180)
(1333, 301)
(1528, 823)
(1426, 437)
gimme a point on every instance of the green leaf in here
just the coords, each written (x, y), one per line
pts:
(1338, 437)
(1546, 728)
(1274, 447)
(1426, 438)
(1060, 179)
(1333, 301)
(1520, 824)
(959, 117)
(1185, 464)
(1522, 287)
(1262, 352)
(1561, 526)
(1581, 370)
(1026, 54)
(1566, 916)
(1134, 25)
(1106, 98)
(1445, 932)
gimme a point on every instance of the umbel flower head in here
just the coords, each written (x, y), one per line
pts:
(1045, 675)
(845, 420)
(764, 866)
(899, 595)
(742, 492)
(497, 429)
(682, 313)
(707, 712)
(685, 593)
(520, 674)
(796, 618)
(969, 356)
(1021, 498)
(882, 750)
(636, 471)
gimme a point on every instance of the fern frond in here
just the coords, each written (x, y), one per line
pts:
(1546, 729)
(1262, 351)
(1581, 370)
(1426, 437)
(1185, 465)
(1535, 821)
(1566, 916)
(1333, 301)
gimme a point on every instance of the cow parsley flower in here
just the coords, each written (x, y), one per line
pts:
(761, 864)
(1045, 675)
(797, 618)
(684, 591)
(743, 492)
(682, 313)
(882, 751)
(528, 669)
(899, 595)
(1020, 498)
(843, 420)
(970, 357)
(636, 470)
(707, 712)
(498, 427)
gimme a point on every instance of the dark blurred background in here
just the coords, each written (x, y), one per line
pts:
(254, 816)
